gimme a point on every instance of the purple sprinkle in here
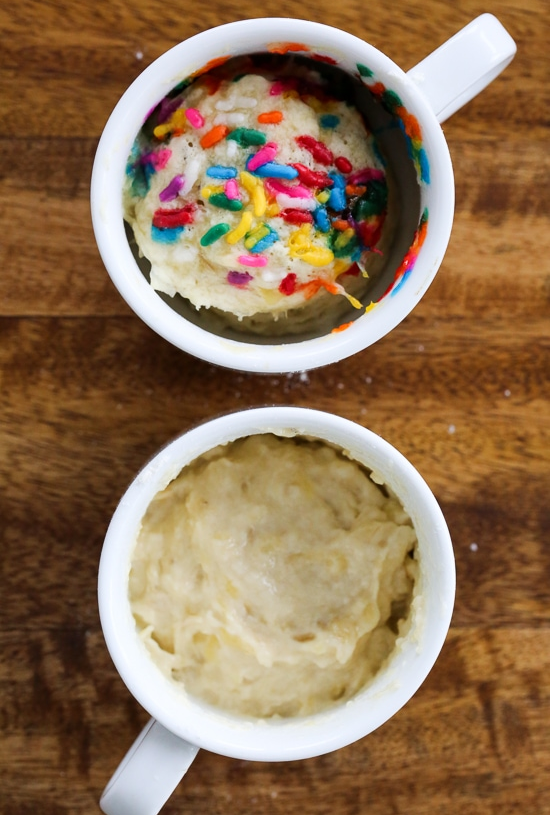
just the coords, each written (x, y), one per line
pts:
(167, 107)
(172, 190)
(239, 278)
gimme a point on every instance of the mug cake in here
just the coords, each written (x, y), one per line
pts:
(258, 191)
(273, 576)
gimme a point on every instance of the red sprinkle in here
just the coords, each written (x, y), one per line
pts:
(296, 216)
(323, 58)
(288, 284)
(370, 231)
(353, 270)
(170, 218)
(312, 178)
(343, 164)
(318, 149)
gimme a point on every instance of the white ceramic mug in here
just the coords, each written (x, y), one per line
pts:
(180, 725)
(419, 100)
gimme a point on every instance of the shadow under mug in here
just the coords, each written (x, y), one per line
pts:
(405, 111)
(181, 725)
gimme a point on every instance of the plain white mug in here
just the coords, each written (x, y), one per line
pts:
(181, 725)
(417, 101)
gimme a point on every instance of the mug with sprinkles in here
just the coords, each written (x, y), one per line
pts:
(276, 195)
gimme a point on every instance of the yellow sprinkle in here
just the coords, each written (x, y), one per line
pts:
(370, 307)
(177, 121)
(259, 200)
(162, 130)
(344, 238)
(211, 189)
(299, 241)
(354, 301)
(249, 181)
(272, 210)
(256, 235)
(317, 256)
(241, 229)
(340, 266)
(323, 196)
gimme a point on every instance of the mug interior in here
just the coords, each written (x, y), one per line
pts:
(405, 210)
(281, 739)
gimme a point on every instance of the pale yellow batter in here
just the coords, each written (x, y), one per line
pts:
(273, 577)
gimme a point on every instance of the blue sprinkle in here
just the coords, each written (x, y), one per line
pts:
(356, 256)
(273, 170)
(217, 171)
(322, 221)
(329, 120)
(265, 243)
(166, 235)
(400, 282)
(424, 166)
(337, 200)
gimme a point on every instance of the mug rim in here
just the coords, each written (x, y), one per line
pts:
(107, 218)
(283, 739)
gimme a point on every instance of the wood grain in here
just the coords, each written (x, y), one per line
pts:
(88, 393)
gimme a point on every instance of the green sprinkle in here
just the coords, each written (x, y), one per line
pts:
(246, 137)
(364, 71)
(391, 101)
(220, 199)
(373, 202)
(329, 121)
(214, 234)
(342, 246)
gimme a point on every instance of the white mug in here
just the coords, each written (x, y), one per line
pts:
(180, 725)
(418, 100)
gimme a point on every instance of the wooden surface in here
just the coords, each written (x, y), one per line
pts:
(88, 393)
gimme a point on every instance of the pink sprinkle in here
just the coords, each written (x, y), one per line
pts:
(264, 154)
(172, 190)
(252, 260)
(281, 85)
(367, 174)
(231, 189)
(194, 117)
(161, 158)
(297, 191)
(239, 279)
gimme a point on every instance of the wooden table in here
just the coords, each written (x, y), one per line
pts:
(88, 393)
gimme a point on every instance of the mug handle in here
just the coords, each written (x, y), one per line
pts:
(460, 68)
(149, 773)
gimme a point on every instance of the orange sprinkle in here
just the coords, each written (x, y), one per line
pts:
(412, 128)
(285, 47)
(215, 135)
(378, 88)
(341, 327)
(310, 289)
(271, 117)
(340, 225)
(213, 63)
(355, 189)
